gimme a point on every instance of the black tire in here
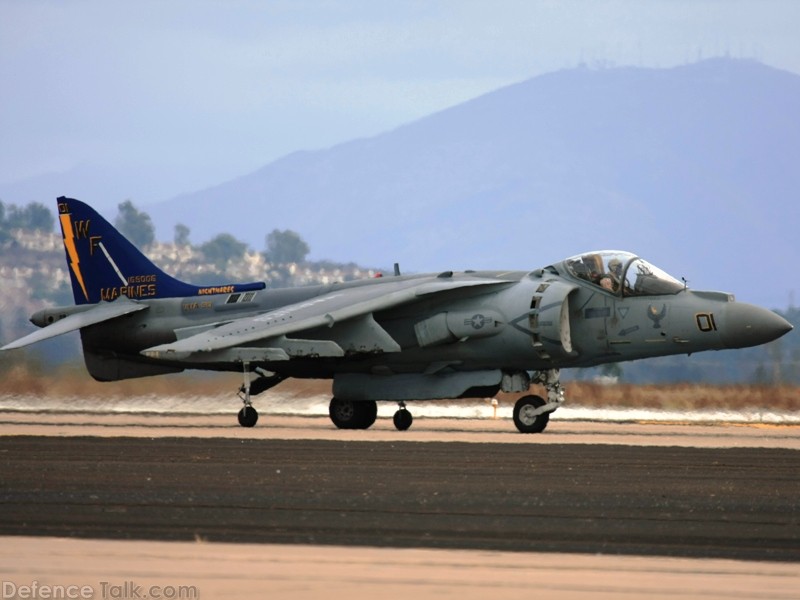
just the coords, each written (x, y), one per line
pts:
(403, 419)
(350, 414)
(524, 421)
(248, 416)
(369, 412)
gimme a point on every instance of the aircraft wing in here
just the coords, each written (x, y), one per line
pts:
(104, 311)
(325, 310)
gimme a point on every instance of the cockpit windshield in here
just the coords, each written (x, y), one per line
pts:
(622, 273)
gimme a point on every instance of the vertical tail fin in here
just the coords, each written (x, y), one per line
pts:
(104, 265)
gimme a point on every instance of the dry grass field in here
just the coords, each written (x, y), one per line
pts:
(684, 396)
(72, 381)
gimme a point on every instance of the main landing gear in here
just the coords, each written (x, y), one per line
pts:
(352, 414)
(532, 413)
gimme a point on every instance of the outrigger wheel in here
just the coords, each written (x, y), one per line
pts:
(248, 416)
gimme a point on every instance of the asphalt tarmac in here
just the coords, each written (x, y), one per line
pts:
(730, 503)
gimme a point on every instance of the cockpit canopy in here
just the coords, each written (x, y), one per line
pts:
(622, 273)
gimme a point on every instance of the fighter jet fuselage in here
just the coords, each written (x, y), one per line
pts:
(395, 338)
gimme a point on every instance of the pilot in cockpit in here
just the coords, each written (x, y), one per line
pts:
(623, 272)
(615, 269)
(613, 277)
(607, 282)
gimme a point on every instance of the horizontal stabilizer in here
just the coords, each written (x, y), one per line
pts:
(105, 311)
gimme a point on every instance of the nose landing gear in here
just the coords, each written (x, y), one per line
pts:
(532, 413)
(528, 416)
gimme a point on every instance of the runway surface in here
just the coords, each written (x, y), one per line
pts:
(433, 510)
(304, 572)
(672, 501)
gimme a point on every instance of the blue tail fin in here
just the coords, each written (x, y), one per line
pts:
(103, 265)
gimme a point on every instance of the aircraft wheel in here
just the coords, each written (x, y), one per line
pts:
(527, 422)
(350, 414)
(369, 412)
(403, 419)
(248, 416)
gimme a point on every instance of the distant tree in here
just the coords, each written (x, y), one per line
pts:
(33, 217)
(41, 217)
(4, 235)
(223, 248)
(182, 235)
(285, 247)
(135, 225)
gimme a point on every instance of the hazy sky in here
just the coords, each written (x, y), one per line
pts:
(211, 90)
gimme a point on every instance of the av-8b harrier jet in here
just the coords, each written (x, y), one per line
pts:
(414, 337)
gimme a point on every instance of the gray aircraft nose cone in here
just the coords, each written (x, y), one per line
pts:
(748, 325)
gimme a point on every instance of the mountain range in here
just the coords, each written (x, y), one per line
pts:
(694, 168)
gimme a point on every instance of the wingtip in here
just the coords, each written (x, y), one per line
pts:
(20, 343)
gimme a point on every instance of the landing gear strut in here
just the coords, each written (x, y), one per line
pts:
(532, 413)
(248, 416)
(402, 418)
